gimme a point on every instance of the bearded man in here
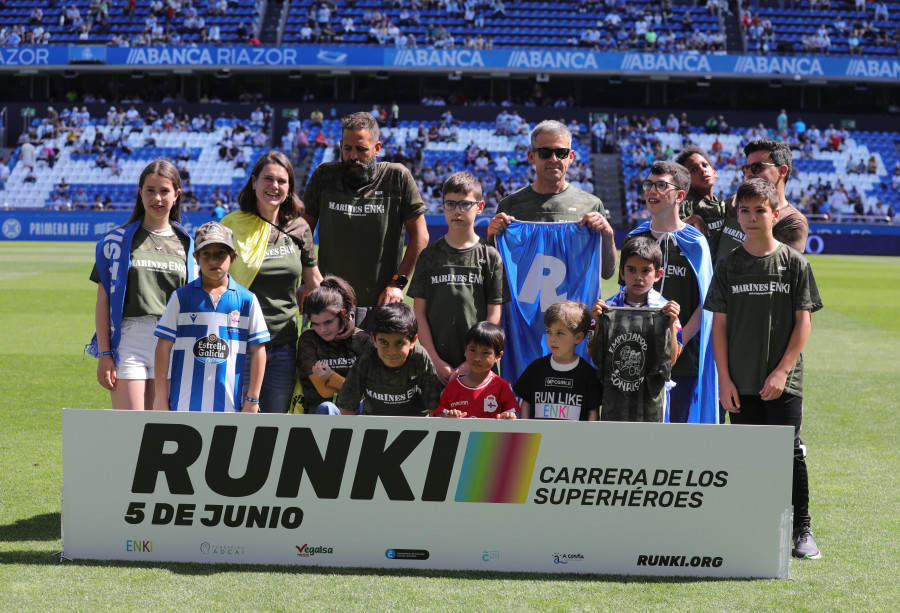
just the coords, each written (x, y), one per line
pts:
(362, 207)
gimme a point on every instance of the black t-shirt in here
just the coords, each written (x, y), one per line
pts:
(559, 391)
(679, 283)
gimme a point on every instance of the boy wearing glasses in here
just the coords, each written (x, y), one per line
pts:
(551, 198)
(687, 271)
(459, 279)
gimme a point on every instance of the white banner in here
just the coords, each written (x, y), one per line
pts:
(397, 492)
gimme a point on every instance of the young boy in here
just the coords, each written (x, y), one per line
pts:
(640, 267)
(686, 273)
(396, 377)
(211, 323)
(561, 385)
(762, 296)
(480, 392)
(459, 279)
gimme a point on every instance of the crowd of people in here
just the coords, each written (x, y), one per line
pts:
(654, 29)
(112, 143)
(169, 23)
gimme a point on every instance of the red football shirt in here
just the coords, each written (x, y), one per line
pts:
(487, 400)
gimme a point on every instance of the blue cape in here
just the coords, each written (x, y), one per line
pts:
(113, 258)
(705, 403)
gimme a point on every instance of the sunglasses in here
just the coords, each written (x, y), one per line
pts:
(756, 167)
(659, 185)
(545, 152)
(462, 205)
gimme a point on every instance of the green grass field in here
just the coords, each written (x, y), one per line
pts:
(851, 430)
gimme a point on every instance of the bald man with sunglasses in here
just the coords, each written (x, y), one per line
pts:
(551, 198)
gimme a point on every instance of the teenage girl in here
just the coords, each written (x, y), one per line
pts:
(332, 344)
(138, 265)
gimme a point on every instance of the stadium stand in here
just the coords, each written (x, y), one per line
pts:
(103, 158)
(26, 22)
(820, 169)
(801, 27)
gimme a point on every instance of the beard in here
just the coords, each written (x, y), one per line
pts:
(357, 173)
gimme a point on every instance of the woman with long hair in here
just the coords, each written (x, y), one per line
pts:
(276, 250)
(138, 266)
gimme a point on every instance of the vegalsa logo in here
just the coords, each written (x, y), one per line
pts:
(305, 551)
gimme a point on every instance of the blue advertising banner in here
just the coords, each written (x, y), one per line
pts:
(72, 226)
(849, 239)
(513, 60)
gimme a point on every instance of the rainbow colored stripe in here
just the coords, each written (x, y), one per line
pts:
(498, 467)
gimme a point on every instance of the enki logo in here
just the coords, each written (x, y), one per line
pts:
(139, 546)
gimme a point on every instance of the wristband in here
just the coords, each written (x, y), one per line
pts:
(251, 400)
(103, 353)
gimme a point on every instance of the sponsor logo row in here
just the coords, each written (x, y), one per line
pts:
(306, 550)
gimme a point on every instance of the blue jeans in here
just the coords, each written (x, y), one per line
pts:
(680, 398)
(278, 382)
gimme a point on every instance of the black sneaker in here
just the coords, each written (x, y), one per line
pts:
(805, 545)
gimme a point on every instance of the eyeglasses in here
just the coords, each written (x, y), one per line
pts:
(561, 153)
(462, 205)
(659, 185)
(756, 167)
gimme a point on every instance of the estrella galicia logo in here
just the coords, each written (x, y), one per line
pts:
(406, 554)
(12, 228)
(211, 350)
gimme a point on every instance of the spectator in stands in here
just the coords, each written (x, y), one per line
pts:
(30, 176)
(501, 163)
(240, 160)
(79, 198)
(872, 165)
(214, 34)
(551, 198)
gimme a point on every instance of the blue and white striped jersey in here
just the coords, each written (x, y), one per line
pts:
(207, 363)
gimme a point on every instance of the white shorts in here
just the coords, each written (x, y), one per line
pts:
(137, 348)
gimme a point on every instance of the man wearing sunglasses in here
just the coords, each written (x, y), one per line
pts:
(550, 198)
(770, 160)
